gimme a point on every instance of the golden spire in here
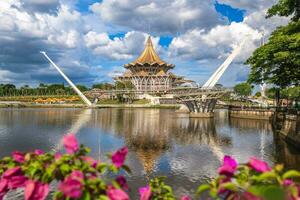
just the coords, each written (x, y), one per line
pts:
(148, 55)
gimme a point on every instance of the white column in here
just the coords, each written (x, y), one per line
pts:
(68, 80)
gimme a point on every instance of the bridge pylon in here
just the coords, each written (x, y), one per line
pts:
(200, 102)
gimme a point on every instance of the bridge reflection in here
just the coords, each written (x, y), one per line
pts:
(150, 132)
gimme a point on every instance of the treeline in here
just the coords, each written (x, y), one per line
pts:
(246, 89)
(56, 89)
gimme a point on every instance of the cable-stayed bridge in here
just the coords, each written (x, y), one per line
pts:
(200, 101)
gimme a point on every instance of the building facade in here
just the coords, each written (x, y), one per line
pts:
(149, 73)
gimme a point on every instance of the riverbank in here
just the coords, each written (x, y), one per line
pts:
(290, 129)
(79, 105)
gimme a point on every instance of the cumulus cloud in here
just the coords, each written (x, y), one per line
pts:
(249, 6)
(118, 48)
(216, 43)
(24, 34)
(161, 17)
(210, 48)
(41, 5)
(81, 42)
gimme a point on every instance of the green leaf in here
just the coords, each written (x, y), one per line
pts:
(103, 197)
(213, 193)
(273, 193)
(202, 188)
(101, 167)
(270, 192)
(86, 196)
(265, 176)
(229, 186)
(64, 168)
(127, 169)
(291, 174)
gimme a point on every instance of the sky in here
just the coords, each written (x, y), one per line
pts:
(91, 40)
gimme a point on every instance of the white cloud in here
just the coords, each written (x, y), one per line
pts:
(118, 48)
(249, 5)
(78, 41)
(218, 42)
(68, 39)
(92, 39)
(157, 16)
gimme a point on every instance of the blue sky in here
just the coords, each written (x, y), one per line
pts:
(92, 40)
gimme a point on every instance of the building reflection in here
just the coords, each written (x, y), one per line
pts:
(250, 124)
(286, 153)
(151, 132)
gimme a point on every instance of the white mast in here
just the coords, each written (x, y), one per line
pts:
(212, 81)
(263, 85)
(68, 80)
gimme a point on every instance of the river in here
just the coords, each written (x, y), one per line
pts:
(186, 150)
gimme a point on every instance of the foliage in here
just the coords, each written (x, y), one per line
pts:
(253, 180)
(78, 176)
(124, 85)
(278, 61)
(292, 93)
(42, 89)
(243, 89)
(258, 94)
(286, 8)
(104, 86)
(57, 89)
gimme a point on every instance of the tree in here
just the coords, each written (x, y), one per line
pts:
(278, 61)
(124, 85)
(286, 8)
(243, 89)
(82, 88)
(103, 86)
(257, 94)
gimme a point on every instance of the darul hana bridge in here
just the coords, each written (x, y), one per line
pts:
(152, 79)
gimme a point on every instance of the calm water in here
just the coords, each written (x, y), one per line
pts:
(161, 142)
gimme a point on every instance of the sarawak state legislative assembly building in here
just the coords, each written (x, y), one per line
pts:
(149, 73)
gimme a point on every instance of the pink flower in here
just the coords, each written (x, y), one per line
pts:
(17, 181)
(72, 185)
(145, 193)
(3, 187)
(118, 158)
(76, 174)
(229, 166)
(258, 165)
(116, 194)
(121, 180)
(71, 143)
(12, 172)
(90, 160)
(226, 170)
(35, 190)
(18, 156)
(287, 182)
(230, 162)
(185, 197)
(57, 156)
(15, 178)
(38, 152)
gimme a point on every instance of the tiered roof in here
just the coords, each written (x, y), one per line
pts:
(149, 56)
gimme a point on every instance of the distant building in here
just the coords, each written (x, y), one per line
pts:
(149, 73)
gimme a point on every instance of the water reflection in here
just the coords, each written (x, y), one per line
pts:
(83, 118)
(161, 142)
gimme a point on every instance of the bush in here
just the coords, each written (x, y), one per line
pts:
(81, 177)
